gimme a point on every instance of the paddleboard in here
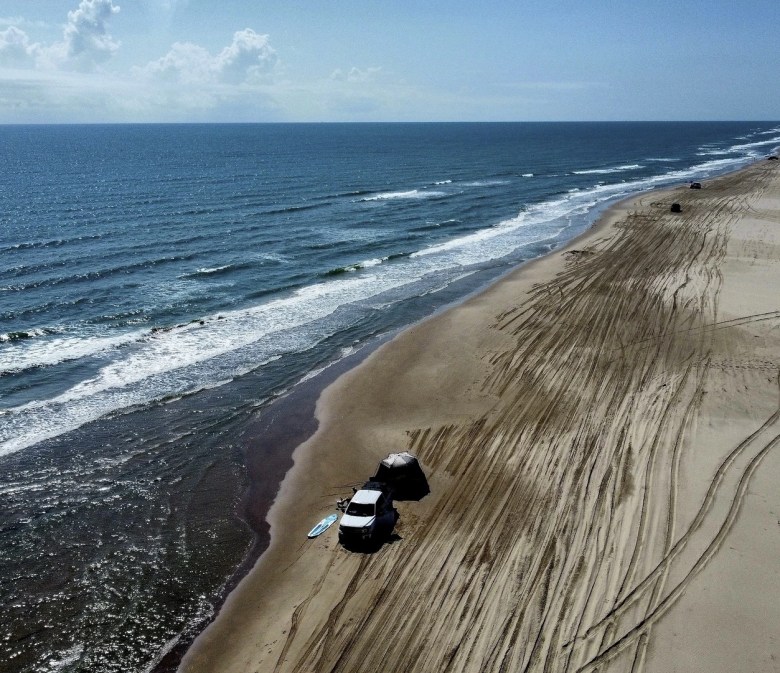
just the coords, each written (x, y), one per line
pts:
(323, 525)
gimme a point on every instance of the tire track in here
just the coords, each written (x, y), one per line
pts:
(712, 548)
(551, 541)
(679, 546)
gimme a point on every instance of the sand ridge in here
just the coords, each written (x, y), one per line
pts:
(594, 428)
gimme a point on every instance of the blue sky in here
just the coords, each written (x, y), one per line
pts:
(392, 60)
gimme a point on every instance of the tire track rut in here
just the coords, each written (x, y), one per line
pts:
(553, 543)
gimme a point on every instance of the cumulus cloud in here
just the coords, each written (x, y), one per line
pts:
(249, 58)
(68, 79)
(185, 62)
(355, 75)
(20, 21)
(11, 20)
(85, 42)
(16, 48)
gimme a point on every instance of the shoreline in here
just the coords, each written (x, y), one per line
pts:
(281, 443)
(269, 442)
(344, 400)
(255, 508)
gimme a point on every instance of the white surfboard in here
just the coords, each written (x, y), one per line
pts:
(323, 525)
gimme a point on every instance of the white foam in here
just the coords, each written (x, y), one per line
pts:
(139, 367)
(472, 247)
(714, 152)
(367, 264)
(343, 353)
(189, 358)
(215, 269)
(272, 257)
(749, 149)
(66, 658)
(746, 147)
(409, 194)
(485, 183)
(48, 351)
(546, 212)
(29, 334)
(607, 171)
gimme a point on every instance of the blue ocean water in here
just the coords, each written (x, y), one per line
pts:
(159, 283)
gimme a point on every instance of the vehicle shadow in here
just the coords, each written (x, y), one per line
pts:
(371, 546)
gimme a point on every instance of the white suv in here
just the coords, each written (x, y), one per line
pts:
(370, 517)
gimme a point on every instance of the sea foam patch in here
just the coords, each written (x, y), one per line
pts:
(403, 195)
(49, 351)
(609, 170)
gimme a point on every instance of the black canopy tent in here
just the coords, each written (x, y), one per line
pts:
(403, 474)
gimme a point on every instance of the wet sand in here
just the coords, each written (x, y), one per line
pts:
(601, 434)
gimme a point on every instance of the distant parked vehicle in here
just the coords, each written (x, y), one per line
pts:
(676, 208)
(696, 185)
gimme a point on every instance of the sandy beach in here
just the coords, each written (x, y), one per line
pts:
(601, 434)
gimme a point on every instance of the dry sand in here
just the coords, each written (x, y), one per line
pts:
(601, 434)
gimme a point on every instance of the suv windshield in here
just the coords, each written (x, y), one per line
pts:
(360, 509)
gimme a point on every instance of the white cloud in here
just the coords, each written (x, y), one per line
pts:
(249, 58)
(85, 42)
(185, 62)
(19, 21)
(36, 95)
(64, 80)
(16, 48)
(11, 20)
(28, 95)
(355, 75)
(68, 79)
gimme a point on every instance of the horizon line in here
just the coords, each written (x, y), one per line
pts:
(365, 122)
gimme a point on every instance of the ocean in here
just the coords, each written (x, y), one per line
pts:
(160, 285)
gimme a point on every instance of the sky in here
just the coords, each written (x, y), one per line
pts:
(96, 61)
